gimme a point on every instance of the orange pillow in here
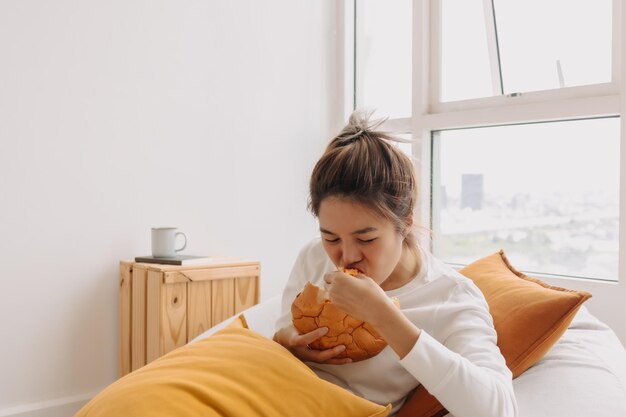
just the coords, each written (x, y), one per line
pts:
(238, 322)
(529, 317)
(235, 372)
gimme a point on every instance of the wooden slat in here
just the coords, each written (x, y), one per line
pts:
(212, 273)
(222, 300)
(138, 313)
(154, 284)
(124, 306)
(198, 308)
(173, 316)
(246, 293)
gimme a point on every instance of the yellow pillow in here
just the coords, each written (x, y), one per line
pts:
(238, 322)
(235, 372)
(529, 317)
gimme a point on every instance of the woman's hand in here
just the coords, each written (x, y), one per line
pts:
(297, 344)
(365, 300)
(361, 297)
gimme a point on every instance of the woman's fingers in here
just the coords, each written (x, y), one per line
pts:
(328, 355)
(301, 345)
(310, 337)
(325, 356)
(341, 361)
(298, 345)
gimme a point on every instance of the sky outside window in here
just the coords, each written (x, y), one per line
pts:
(547, 193)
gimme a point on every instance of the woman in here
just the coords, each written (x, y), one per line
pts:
(363, 191)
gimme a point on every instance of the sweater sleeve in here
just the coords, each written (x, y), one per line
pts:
(461, 365)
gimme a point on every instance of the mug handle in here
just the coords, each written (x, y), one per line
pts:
(184, 244)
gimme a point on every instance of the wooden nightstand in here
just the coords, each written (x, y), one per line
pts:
(162, 307)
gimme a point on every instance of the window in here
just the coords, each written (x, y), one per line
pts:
(507, 47)
(516, 122)
(553, 44)
(538, 190)
(465, 61)
(383, 56)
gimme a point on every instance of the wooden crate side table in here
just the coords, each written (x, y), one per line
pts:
(162, 307)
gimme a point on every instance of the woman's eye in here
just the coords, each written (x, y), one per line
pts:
(332, 240)
(367, 240)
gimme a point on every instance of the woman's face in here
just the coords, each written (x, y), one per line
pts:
(356, 237)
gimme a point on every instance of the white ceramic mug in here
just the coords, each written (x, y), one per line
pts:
(164, 242)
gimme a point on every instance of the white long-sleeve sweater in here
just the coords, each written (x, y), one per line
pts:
(456, 357)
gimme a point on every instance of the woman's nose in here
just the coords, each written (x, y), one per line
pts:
(350, 254)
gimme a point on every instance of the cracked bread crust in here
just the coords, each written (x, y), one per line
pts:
(311, 309)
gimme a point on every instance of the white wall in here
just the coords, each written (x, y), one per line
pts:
(116, 116)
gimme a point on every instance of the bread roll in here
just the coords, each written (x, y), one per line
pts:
(312, 309)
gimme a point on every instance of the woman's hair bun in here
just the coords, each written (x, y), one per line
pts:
(359, 125)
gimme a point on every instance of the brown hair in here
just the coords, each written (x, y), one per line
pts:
(362, 165)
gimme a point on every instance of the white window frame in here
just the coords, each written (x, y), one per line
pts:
(569, 103)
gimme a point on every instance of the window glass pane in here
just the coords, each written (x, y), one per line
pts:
(465, 72)
(546, 193)
(535, 37)
(383, 56)
(540, 45)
